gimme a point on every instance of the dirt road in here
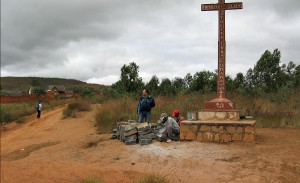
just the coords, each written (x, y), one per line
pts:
(69, 150)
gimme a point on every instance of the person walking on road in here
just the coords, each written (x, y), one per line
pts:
(39, 109)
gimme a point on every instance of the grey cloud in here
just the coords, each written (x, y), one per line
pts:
(91, 40)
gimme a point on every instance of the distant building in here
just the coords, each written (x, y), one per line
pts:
(33, 89)
(57, 89)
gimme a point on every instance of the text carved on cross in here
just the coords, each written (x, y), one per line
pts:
(221, 6)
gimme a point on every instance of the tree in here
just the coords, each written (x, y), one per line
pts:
(179, 84)
(202, 81)
(188, 80)
(267, 71)
(297, 77)
(152, 85)
(35, 82)
(239, 81)
(229, 84)
(129, 81)
(166, 88)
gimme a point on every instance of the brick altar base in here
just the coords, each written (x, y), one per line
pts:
(218, 131)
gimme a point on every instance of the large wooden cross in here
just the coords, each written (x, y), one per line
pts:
(221, 6)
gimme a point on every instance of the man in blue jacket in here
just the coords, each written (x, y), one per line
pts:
(146, 103)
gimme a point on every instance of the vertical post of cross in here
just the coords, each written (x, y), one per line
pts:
(221, 100)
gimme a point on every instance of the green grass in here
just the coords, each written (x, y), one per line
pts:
(18, 111)
(11, 112)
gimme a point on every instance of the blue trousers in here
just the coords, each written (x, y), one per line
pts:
(144, 114)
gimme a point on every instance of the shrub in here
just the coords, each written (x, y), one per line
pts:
(74, 107)
(112, 111)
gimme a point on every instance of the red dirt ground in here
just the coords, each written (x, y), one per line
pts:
(53, 149)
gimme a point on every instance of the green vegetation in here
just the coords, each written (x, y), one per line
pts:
(114, 110)
(11, 112)
(267, 77)
(18, 111)
(267, 112)
(74, 107)
(22, 84)
(270, 92)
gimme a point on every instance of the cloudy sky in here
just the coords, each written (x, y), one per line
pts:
(90, 40)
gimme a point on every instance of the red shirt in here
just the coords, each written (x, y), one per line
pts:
(179, 119)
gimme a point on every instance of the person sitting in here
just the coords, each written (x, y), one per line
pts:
(172, 127)
(176, 115)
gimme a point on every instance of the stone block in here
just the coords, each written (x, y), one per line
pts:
(204, 115)
(233, 115)
(230, 129)
(237, 137)
(221, 129)
(147, 136)
(194, 128)
(217, 137)
(205, 128)
(200, 136)
(190, 136)
(249, 137)
(239, 130)
(221, 115)
(182, 135)
(250, 129)
(208, 136)
(145, 141)
(184, 128)
(130, 132)
(215, 129)
(225, 137)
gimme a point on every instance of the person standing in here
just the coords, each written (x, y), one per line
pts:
(39, 109)
(146, 103)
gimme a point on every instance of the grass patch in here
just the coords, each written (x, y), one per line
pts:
(12, 112)
(73, 108)
(17, 111)
(153, 178)
(267, 112)
(124, 109)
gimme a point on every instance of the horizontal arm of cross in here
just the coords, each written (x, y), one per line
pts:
(225, 6)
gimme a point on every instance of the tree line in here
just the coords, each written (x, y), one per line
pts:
(268, 76)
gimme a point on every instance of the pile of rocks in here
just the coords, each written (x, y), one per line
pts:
(133, 133)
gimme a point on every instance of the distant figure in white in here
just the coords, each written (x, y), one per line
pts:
(39, 109)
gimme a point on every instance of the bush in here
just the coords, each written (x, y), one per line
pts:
(74, 107)
(112, 111)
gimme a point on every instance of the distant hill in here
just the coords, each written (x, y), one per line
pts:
(23, 83)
